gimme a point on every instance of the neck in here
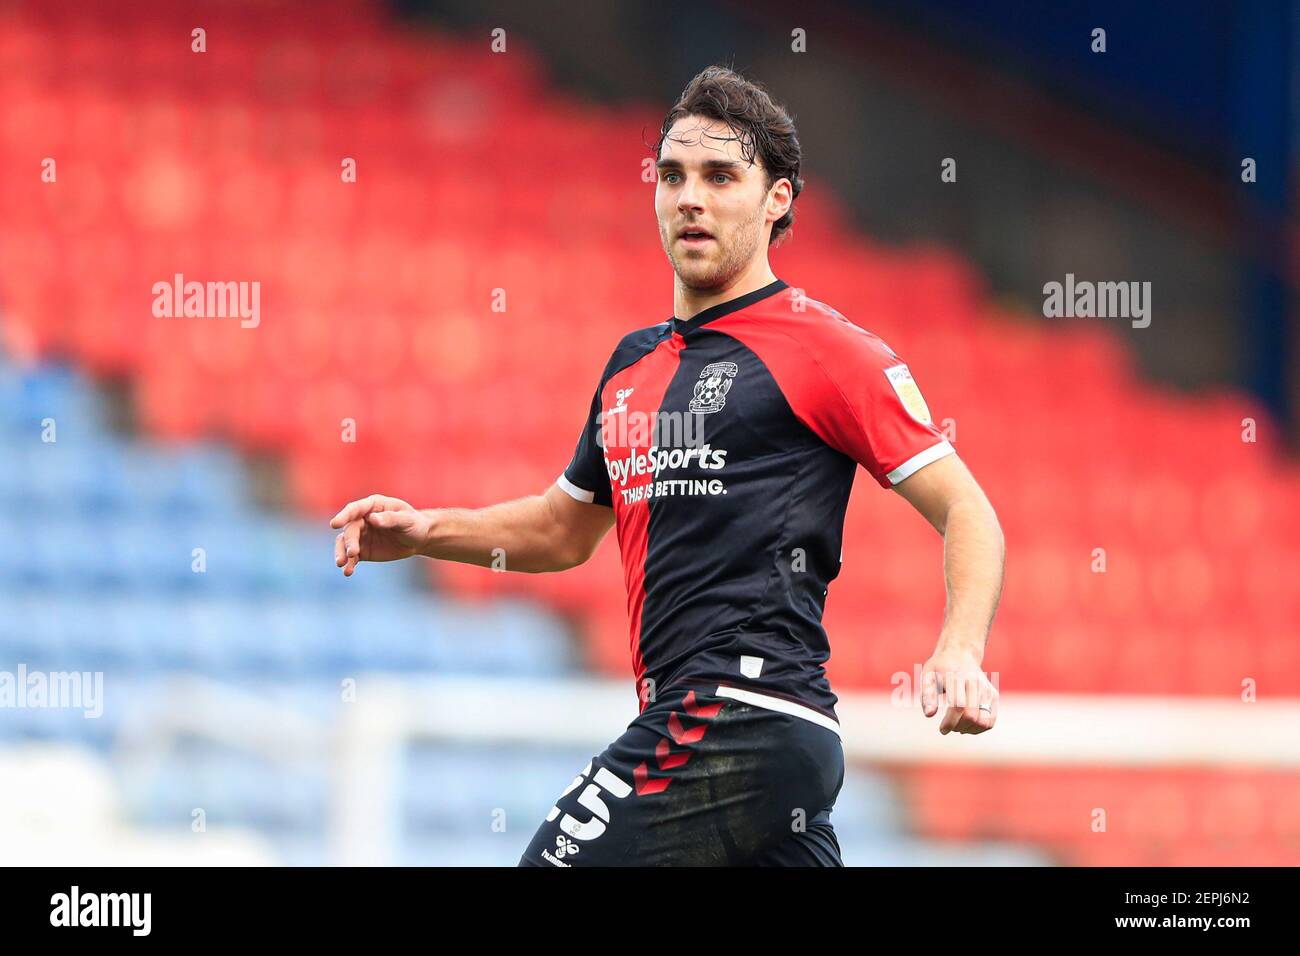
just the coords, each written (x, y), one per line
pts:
(688, 302)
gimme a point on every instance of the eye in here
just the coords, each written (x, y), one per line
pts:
(724, 177)
(671, 178)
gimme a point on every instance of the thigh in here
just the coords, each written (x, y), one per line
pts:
(815, 845)
(695, 780)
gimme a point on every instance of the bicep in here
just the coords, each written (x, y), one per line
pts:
(933, 489)
(581, 523)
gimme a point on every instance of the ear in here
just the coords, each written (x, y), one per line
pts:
(779, 198)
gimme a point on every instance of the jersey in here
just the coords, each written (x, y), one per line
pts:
(727, 446)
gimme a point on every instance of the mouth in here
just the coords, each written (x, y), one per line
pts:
(695, 238)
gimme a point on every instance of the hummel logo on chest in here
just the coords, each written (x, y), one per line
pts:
(620, 400)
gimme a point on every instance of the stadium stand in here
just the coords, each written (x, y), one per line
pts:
(108, 580)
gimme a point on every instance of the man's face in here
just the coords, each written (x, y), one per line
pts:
(712, 204)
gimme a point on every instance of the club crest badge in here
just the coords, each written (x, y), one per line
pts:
(711, 390)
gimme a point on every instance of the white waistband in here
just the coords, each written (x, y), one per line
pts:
(779, 704)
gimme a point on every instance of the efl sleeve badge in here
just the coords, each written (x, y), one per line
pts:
(908, 393)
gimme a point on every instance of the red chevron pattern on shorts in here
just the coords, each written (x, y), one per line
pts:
(665, 757)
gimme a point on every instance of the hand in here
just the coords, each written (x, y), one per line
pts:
(972, 699)
(378, 528)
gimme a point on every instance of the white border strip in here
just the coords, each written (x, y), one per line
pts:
(573, 491)
(920, 460)
(779, 704)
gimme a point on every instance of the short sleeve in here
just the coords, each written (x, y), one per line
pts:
(586, 478)
(879, 416)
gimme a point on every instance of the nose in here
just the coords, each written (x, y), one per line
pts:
(689, 197)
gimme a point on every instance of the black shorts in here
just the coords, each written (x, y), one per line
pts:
(701, 780)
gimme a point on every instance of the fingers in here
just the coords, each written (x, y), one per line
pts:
(370, 523)
(930, 693)
(347, 548)
(972, 709)
(984, 704)
(352, 538)
(953, 690)
(352, 546)
(352, 519)
(341, 557)
(988, 710)
(971, 701)
(951, 718)
(354, 510)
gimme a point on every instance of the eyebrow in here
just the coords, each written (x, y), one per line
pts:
(707, 164)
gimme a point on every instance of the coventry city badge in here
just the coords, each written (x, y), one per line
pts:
(711, 390)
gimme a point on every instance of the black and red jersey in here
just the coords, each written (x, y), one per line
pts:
(727, 445)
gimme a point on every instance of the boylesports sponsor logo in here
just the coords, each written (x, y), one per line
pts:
(656, 462)
(673, 488)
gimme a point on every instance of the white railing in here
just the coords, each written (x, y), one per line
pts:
(364, 747)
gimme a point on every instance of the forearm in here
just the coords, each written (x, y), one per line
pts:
(521, 535)
(974, 555)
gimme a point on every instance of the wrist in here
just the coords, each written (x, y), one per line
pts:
(964, 643)
(429, 539)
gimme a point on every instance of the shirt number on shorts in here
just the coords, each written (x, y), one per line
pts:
(590, 800)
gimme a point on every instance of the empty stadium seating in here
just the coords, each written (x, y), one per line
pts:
(378, 309)
(100, 574)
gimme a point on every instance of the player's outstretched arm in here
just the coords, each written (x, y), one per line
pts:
(546, 532)
(946, 493)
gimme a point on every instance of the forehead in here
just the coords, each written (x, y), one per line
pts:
(693, 140)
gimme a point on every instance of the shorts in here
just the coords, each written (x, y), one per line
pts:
(701, 780)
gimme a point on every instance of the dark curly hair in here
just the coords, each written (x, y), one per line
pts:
(762, 126)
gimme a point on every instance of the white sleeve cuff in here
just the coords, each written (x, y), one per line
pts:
(573, 491)
(919, 461)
